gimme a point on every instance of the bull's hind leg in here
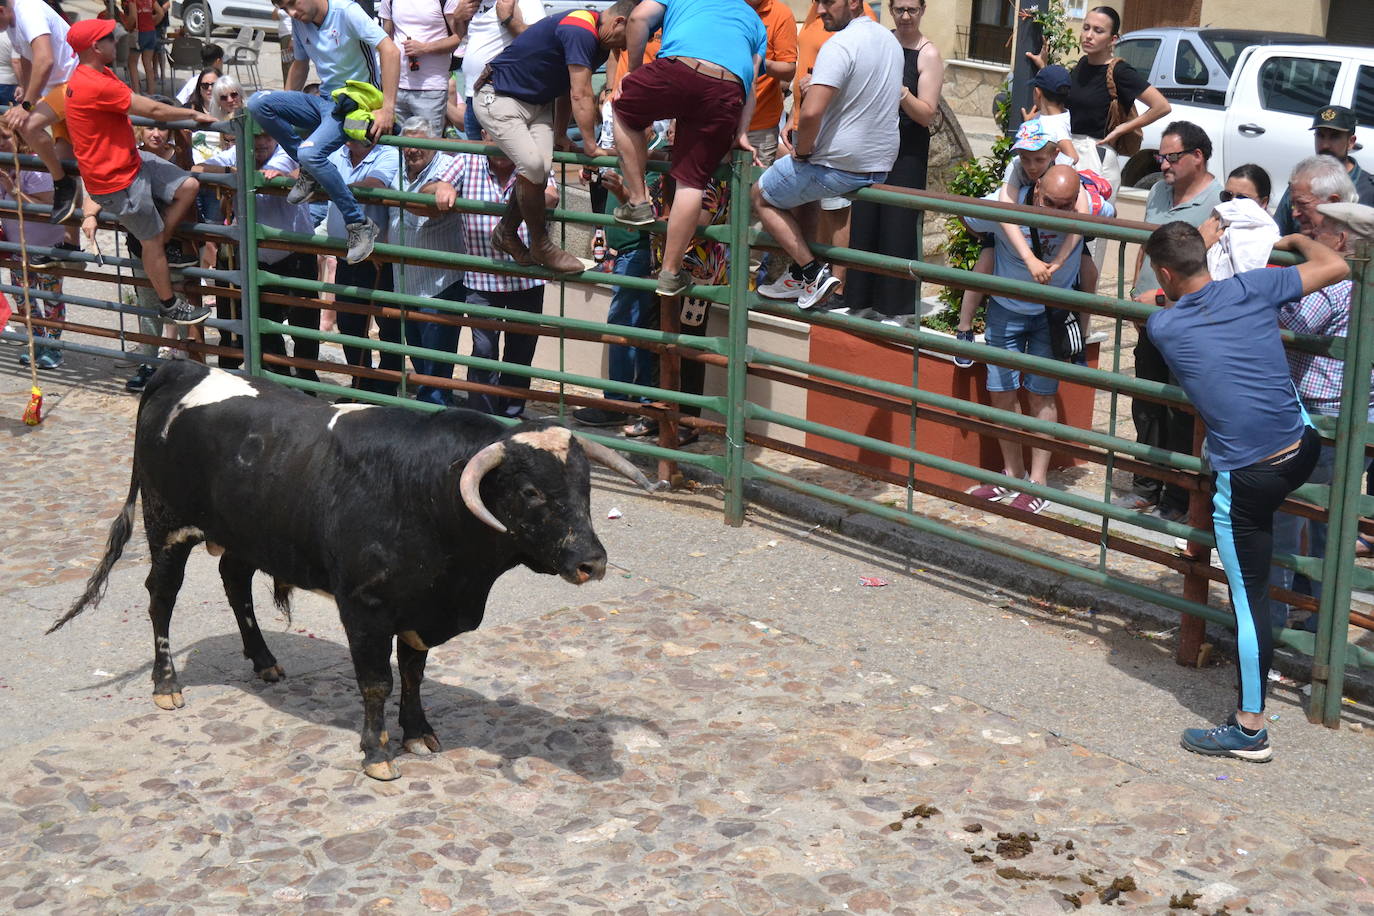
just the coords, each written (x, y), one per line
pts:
(417, 735)
(371, 651)
(238, 588)
(164, 581)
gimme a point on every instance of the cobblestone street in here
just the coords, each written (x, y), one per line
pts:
(647, 748)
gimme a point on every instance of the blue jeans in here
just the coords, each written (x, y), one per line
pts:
(471, 126)
(635, 309)
(1029, 334)
(789, 182)
(433, 336)
(519, 349)
(306, 128)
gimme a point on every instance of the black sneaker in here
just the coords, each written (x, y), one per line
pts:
(964, 362)
(595, 416)
(64, 249)
(63, 199)
(183, 312)
(139, 380)
(179, 257)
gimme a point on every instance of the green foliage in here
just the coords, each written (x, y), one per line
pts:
(1061, 38)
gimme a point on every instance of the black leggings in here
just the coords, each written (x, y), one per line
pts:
(1243, 521)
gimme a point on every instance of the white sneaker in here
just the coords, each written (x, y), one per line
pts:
(361, 237)
(819, 289)
(784, 287)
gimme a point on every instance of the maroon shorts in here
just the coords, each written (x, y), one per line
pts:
(707, 111)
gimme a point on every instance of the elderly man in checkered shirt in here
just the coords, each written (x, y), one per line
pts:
(493, 178)
(1318, 380)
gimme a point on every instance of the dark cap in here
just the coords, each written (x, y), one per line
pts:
(1053, 78)
(1334, 117)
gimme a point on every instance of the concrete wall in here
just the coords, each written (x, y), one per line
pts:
(1286, 15)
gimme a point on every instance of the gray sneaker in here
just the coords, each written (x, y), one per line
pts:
(361, 237)
(183, 312)
(302, 190)
(673, 284)
(634, 214)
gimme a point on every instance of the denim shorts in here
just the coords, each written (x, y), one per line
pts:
(147, 41)
(1029, 334)
(789, 183)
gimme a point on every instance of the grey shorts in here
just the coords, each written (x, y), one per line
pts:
(136, 207)
(430, 104)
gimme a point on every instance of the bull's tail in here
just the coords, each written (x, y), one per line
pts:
(120, 531)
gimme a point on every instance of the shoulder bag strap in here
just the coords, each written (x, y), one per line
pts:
(1036, 248)
(1111, 78)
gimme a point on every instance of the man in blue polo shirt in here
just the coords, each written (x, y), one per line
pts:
(344, 44)
(523, 101)
(1221, 341)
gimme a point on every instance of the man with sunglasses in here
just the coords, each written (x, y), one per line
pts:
(1187, 192)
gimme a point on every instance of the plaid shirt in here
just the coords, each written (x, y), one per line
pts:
(470, 174)
(1318, 378)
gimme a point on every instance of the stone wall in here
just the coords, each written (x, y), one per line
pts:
(970, 86)
(948, 148)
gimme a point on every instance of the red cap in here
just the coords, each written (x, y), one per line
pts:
(87, 32)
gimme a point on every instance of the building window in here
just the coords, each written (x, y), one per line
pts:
(989, 32)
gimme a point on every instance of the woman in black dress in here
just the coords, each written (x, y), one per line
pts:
(895, 231)
(1090, 97)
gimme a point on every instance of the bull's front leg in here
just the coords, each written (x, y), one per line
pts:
(371, 651)
(411, 655)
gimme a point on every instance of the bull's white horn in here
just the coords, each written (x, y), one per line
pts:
(470, 484)
(616, 462)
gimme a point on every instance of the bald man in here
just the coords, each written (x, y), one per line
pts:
(1023, 327)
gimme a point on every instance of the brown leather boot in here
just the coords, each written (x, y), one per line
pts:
(542, 249)
(506, 236)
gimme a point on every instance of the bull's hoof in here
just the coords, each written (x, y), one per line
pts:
(272, 675)
(382, 771)
(423, 745)
(171, 700)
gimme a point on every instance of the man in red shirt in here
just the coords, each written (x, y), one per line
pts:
(117, 175)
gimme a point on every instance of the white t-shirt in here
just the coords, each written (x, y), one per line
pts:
(863, 63)
(420, 20)
(7, 75)
(488, 38)
(33, 18)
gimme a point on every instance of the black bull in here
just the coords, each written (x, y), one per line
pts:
(405, 519)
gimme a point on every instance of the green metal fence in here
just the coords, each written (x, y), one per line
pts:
(1115, 531)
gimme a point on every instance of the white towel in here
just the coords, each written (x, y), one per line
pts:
(1248, 236)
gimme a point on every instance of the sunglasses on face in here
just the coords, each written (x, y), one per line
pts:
(228, 95)
(1230, 195)
(1171, 158)
(206, 87)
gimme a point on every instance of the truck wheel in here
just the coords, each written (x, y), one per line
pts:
(1146, 182)
(195, 16)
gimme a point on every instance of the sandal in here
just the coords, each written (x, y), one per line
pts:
(1363, 547)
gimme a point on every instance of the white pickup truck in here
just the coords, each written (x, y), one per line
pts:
(1273, 94)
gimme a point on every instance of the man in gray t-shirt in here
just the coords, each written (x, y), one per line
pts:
(846, 139)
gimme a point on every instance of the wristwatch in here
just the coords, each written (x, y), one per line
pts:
(26, 105)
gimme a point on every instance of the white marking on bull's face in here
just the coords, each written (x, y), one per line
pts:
(553, 439)
(182, 535)
(217, 386)
(342, 409)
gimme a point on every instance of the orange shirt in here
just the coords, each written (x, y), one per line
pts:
(782, 47)
(616, 71)
(809, 42)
